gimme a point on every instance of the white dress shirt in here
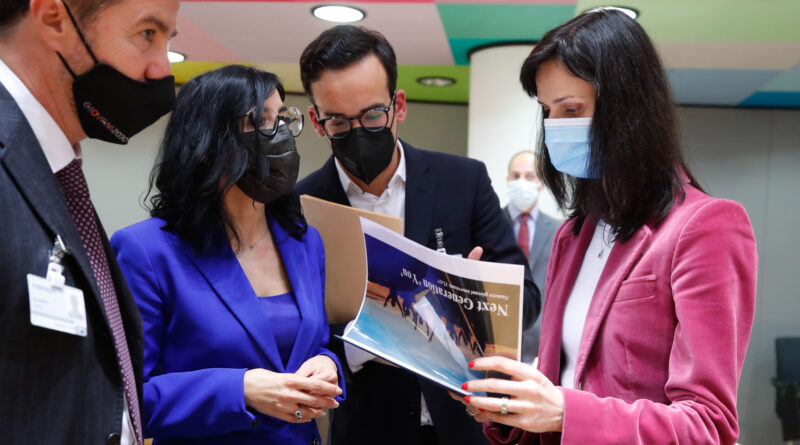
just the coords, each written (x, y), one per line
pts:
(515, 214)
(59, 153)
(594, 260)
(391, 202)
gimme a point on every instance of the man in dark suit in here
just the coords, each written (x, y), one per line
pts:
(58, 386)
(446, 201)
(534, 231)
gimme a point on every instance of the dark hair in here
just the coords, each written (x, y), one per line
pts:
(11, 11)
(202, 157)
(341, 46)
(634, 137)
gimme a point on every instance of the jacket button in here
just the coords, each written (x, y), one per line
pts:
(314, 441)
(113, 439)
(255, 423)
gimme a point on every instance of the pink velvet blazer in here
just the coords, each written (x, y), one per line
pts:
(665, 338)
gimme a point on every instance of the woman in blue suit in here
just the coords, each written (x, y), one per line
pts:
(228, 277)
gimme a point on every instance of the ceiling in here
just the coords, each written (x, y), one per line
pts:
(741, 53)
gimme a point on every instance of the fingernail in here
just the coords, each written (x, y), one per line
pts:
(471, 363)
(466, 399)
(481, 410)
(464, 386)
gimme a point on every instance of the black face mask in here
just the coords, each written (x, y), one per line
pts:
(272, 166)
(364, 153)
(113, 107)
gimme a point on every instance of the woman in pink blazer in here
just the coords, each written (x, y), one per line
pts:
(651, 284)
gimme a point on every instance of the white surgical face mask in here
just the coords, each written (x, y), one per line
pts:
(523, 194)
(567, 142)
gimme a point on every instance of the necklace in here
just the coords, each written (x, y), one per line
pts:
(253, 244)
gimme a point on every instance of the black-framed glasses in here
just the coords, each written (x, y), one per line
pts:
(374, 119)
(270, 121)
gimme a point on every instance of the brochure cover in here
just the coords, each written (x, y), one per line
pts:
(433, 313)
(345, 263)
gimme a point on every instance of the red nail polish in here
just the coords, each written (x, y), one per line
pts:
(464, 386)
(481, 410)
(466, 399)
(472, 363)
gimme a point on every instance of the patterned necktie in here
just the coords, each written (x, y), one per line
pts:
(73, 183)
(524, 238)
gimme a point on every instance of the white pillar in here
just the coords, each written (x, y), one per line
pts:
(503, 119)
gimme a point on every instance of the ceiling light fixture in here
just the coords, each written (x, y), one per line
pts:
(338, 13)
(630, 12)
(436, 81)
(174, 57)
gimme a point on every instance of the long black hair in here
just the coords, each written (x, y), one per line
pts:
(202, 157)
(634, 138)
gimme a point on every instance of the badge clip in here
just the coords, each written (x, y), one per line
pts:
(439, 240)
(54, 268)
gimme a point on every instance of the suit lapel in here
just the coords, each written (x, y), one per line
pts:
(620, 261)
(420, 192)
(228, 280)
(330, 188)
(295, 261)
(27, 165)
(570, 251)
(539, 237)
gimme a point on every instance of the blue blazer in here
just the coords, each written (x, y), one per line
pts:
(204, 327)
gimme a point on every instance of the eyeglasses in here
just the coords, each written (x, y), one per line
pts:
(270, 121)
(374, 120)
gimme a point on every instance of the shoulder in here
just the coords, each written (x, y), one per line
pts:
(316, 179)
(446, 161)
(145, 233)
(698, 207)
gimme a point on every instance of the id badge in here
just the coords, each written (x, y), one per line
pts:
(59, 308)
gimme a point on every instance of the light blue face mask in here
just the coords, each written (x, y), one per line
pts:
(567, 142)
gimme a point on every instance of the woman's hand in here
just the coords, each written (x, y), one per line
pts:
(320, 367)
(280, 395)
(534, 403)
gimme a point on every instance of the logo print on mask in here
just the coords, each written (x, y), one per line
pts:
(95, 113)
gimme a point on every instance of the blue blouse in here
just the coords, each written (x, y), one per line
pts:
(284, 317)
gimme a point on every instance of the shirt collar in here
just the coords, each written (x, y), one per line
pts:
(350, 187)
(51, 138)
(514, 213)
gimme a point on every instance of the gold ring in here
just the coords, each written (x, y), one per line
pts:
(504, 406)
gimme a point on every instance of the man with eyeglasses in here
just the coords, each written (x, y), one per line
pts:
(350, 74)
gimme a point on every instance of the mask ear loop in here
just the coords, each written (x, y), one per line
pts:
(83, 39)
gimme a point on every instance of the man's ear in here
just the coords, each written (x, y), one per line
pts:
(312, 114)
(52, 24)
(400, 105)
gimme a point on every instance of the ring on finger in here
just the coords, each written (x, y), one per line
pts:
(469, 411)
(504, 406)
(298, 414)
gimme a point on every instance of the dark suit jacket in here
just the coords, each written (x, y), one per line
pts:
(204, 327)
(54, 387)
(543, 232)
(444, 191)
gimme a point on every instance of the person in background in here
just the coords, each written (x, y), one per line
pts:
(534, 231)
(652, 283)
(350, 75)
(70, 332)
(228, 276)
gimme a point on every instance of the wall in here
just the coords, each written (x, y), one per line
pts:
(751, 156)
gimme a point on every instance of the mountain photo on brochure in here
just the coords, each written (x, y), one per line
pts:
(433, 313)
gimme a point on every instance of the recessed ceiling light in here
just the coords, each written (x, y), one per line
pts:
(436, 81)
(338, 13)
(175, 57)
(630, 12)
